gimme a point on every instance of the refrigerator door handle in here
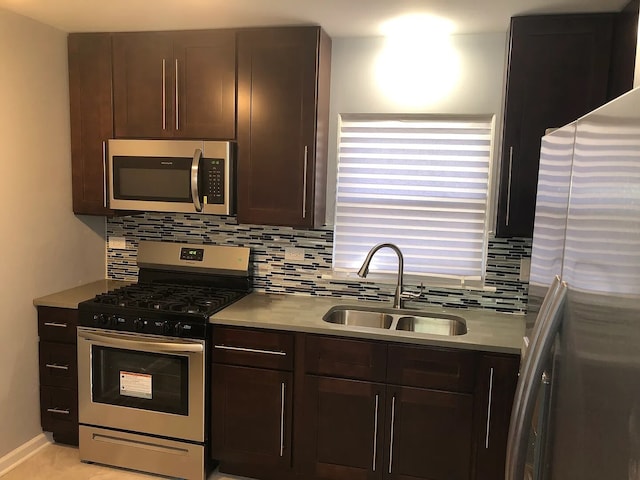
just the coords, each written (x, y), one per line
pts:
(529, 383)
(542, 317)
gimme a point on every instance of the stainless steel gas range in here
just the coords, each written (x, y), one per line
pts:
(143, 359)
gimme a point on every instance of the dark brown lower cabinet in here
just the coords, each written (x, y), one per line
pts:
(363, 409)
(251, 420)
(495, 389)
(428, 434)
(58, 373)
(344, 431)
(363, 431)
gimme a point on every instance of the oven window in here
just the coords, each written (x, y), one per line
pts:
(143, 380)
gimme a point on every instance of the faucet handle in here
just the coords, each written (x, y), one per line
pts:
(409, 295)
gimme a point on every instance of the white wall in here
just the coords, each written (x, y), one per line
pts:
(44, 248)
(354, 86)
(636, 78)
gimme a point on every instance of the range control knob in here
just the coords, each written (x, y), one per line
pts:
(166, 328)
(139, 324)
(178, 329)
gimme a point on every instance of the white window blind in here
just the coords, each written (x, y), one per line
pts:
(419, 182)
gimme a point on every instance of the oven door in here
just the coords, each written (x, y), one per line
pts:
(141, 383)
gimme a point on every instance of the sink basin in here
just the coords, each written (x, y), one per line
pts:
(436, 325)
(396, 319)
(358, 318)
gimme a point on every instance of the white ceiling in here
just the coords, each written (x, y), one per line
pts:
(340, 18)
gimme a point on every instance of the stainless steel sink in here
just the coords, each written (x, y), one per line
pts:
(358, 318)
(436, 325)
(396, 319)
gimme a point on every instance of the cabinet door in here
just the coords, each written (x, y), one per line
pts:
(205, 84)
(90, 98)
(558, 70)
(143, 85)
(250, 418)
(277, 80)
(343, 425)
(497, 379)
(429, 434)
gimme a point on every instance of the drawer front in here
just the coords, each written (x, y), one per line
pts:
(58, 365)
(433, 368)
(346, 358)
(58, 405)
(57, 324)
(253, 348)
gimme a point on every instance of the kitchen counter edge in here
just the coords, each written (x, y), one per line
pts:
(488, 331)
(71, 297)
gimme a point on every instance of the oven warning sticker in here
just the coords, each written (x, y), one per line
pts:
(135, 385)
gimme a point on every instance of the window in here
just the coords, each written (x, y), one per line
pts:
(419, 182)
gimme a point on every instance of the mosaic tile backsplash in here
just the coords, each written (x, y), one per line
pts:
(311, 276)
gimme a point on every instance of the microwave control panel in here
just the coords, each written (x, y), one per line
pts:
(213, 184)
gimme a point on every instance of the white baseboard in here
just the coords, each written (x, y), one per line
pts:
(24, 451)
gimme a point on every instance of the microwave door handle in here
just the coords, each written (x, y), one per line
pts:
(195, 168)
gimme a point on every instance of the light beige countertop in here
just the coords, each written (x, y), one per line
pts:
(487, 330)
(71, 297)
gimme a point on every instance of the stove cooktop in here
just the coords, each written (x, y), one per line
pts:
(190, 300)
(179, 287)
(160, 309)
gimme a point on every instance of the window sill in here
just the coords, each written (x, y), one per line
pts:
(410, 281)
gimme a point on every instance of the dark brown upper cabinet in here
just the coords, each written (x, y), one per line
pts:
(91, 116)
(283, 110)
(175, 84)
(558, 70)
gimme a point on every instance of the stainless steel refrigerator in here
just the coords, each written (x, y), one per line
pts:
(576, 414)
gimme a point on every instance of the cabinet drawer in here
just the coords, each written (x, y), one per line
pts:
(253, 348)
(58, 365)
(57, 324)
(341, 357)
(58, 405)
(431, 368)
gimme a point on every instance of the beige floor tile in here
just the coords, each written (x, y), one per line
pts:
(59, 462)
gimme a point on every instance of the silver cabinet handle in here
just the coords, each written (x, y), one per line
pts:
(195, 191)
(250, 350)
(304, 182)
(486, 439)
(176, 95)
(164, 94)
(282, 419)
(375, 433)
(56, 366)
(56, 324)
(104, 174)
(509, 186)
(58, 410)
(393, 421)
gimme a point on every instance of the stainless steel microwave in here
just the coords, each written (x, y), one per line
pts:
(190, 176)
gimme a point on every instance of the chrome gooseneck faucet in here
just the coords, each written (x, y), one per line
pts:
(364, 270)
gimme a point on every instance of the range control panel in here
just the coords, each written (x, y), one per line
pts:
(164, 325)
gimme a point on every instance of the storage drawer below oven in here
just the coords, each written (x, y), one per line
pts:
(141, 452)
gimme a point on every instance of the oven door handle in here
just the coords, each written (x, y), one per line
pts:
(161, 347)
